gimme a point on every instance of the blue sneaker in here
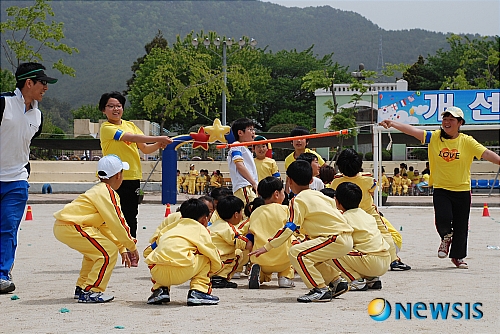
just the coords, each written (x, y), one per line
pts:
(94, 297)
(196, 298)
(159, 296)
(78, 291)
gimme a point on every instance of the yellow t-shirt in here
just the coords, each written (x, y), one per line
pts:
(127, 151)
(266, 167)
(290, 158)
(367, 185)
(450, 160)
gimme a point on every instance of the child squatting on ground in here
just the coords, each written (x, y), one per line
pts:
(230, 243)
(370, 258)
(268, 216)
(185, 252)
(329, 236)
(93, 224)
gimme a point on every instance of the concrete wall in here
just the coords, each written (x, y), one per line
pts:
(84, 171)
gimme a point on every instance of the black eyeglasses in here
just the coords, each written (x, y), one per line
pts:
(43, 82)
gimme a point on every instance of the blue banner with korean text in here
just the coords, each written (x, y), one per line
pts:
(480, 106)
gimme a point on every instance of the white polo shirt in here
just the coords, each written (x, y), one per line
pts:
(17, 128)
(241, 153)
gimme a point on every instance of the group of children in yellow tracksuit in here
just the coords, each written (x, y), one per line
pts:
(197, 182)
(333, 244)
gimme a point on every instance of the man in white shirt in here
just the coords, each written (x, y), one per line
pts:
(20, 122)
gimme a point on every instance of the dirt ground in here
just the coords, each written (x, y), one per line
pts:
(46, 271)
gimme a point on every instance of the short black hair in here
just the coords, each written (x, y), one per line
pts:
(250, 207)
(227, 206)
(25, 68)
(349, 162)
(268, 185)
(218, 193)
(241, 124)
(112, 95)
(328, 192)
(349, 195)
(194, 208)
(308, 156)
(208, 199)
(300, 171)
(299, 131)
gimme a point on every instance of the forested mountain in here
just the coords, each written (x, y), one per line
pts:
(111, 35)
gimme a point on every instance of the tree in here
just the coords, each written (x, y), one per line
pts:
(286, 91)
(478, 64)
(7, 81)
(173, 82)
(88, 111)
(469, 64)
(59, 113)
(29, 34)
(158, 42)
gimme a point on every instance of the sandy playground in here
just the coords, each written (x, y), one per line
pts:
(46, 270)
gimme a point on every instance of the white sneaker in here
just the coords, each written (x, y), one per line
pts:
(359, 285)
(236, 276)
(284, 282)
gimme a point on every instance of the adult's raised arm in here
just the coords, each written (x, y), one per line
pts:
(405, 128)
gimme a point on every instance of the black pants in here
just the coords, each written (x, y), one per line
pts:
(451, 212)
(129, 203)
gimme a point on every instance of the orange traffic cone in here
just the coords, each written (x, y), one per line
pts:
(486, 212)
(167, 210)
(29, 214)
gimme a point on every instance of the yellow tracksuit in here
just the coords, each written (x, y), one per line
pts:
(370, 255)
(328, 236)
(185, 252)
(368, 185)
(93, 224)
(264, 222)
(165, 225)
(229, 241)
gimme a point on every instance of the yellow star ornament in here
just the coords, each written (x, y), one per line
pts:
(217, 131)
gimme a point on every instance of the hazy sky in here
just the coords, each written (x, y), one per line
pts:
(457, 16)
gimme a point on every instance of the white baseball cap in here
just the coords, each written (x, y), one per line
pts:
(454, 111)
(110, 165)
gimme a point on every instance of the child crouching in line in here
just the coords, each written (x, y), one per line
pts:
(185, 252)
(93, 224)
(268, 216)
(172, 220)
(228, 240)
(328, 237)
(370, 257)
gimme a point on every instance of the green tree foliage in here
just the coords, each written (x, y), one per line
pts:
(26, 34)
(88, 111)
(158, 42)
(59, 113)
(7, 81)
(285, 92)
(50, 130)
(287, 117)
(469, 64)
(171, 82)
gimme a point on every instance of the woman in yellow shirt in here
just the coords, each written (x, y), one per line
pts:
(450, 157)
